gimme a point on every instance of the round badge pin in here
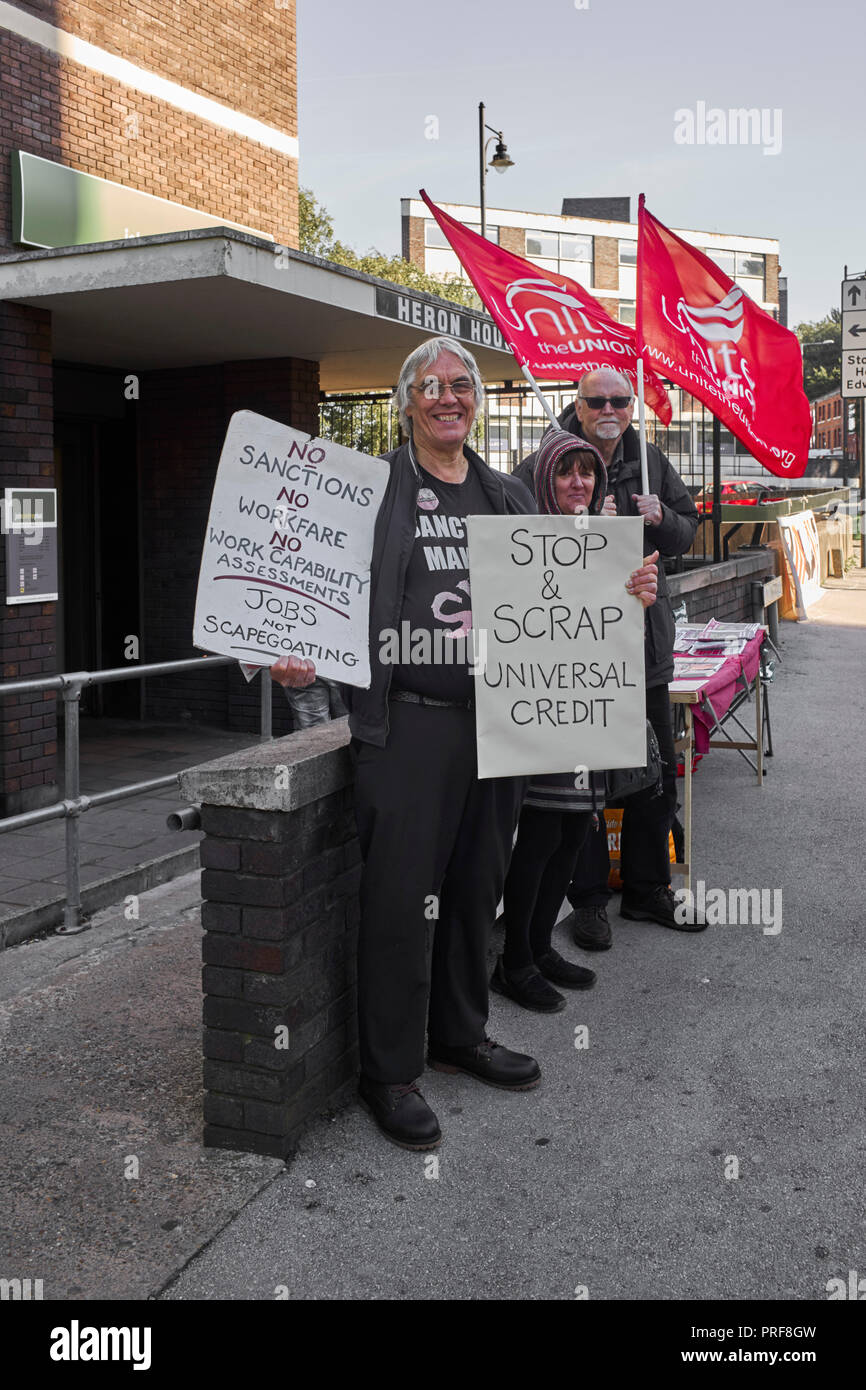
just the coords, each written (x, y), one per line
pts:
(427, 499)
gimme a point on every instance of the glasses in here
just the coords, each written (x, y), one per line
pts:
(433, 388)
(599, 402)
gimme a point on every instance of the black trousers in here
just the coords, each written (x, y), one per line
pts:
(436, 842)
(646, 824)
(542, 864)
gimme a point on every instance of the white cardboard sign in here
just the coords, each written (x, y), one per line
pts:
(559, 682)
(285, 567)
(803, 560)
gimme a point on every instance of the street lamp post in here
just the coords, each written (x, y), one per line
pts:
(500, 161)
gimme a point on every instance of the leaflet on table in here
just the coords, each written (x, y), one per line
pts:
(719, 647)
(696, 666)
(714, 639)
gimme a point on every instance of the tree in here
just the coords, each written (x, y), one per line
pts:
(822, 369)
(316, 237)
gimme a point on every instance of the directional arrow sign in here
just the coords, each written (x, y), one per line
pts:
(854, 327)
(854, 339)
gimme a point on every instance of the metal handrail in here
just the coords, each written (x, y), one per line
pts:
(71, 684)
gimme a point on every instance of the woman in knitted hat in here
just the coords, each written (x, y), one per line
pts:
(569, 477)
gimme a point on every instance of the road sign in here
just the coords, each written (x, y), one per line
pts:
(854, 374)
(854, 339)
(854, 328)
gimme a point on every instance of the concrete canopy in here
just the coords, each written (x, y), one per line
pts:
(217, 295)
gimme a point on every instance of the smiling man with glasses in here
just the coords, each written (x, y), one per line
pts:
(435, 838)
(601, 414)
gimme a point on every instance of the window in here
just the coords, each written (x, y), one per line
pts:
(575, 248)
(627, 311)
(435, 237)
(544, 244)
(628, 253)
(725, 260)
(563, 253)
(750, 265)
(745, 267)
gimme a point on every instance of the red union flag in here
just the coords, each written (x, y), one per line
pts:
(704, 332)
(552, 325)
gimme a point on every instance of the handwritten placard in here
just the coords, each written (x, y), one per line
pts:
(285, 567)
(560, 643)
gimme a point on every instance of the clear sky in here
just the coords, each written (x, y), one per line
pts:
(586, 99)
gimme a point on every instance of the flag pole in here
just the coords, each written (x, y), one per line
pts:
(638, 342)
(641, 414)
(545, 404)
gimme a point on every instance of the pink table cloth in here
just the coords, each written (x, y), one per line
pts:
(719, 689)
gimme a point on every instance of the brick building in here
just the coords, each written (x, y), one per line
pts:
(149, 287)
(827, 427)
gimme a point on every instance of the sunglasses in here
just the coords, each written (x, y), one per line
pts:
(599, 402)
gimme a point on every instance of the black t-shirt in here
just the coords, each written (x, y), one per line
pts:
(437, 607)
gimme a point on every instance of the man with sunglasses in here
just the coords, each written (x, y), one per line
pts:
(602, 414)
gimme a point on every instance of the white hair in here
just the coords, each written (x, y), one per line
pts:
(424, 356)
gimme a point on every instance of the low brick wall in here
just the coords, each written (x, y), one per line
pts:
(281, 869)
(722, 591)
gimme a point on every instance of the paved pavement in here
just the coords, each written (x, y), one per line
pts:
(735, 1051)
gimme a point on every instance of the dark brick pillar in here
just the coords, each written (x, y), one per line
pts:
(280, 882)
(28, 635)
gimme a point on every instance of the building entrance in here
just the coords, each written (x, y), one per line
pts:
(97, 479)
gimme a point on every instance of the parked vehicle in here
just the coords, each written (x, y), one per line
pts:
(737, 494)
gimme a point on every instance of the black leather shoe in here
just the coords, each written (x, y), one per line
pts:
(589, 928)
(528, 988)
(402, 1113)
(488, 1062)
(563, 972)
(661, 906)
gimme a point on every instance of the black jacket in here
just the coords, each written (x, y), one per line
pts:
(393, 539)
(673, 536)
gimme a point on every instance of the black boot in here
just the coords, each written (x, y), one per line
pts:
(563, 972)
(589, 928)
(488, 1062)
(661, 906)
(402, 1113)
(527, 988)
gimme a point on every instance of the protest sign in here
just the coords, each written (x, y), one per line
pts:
(285, 567)
(801, 571)
(559, 682)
